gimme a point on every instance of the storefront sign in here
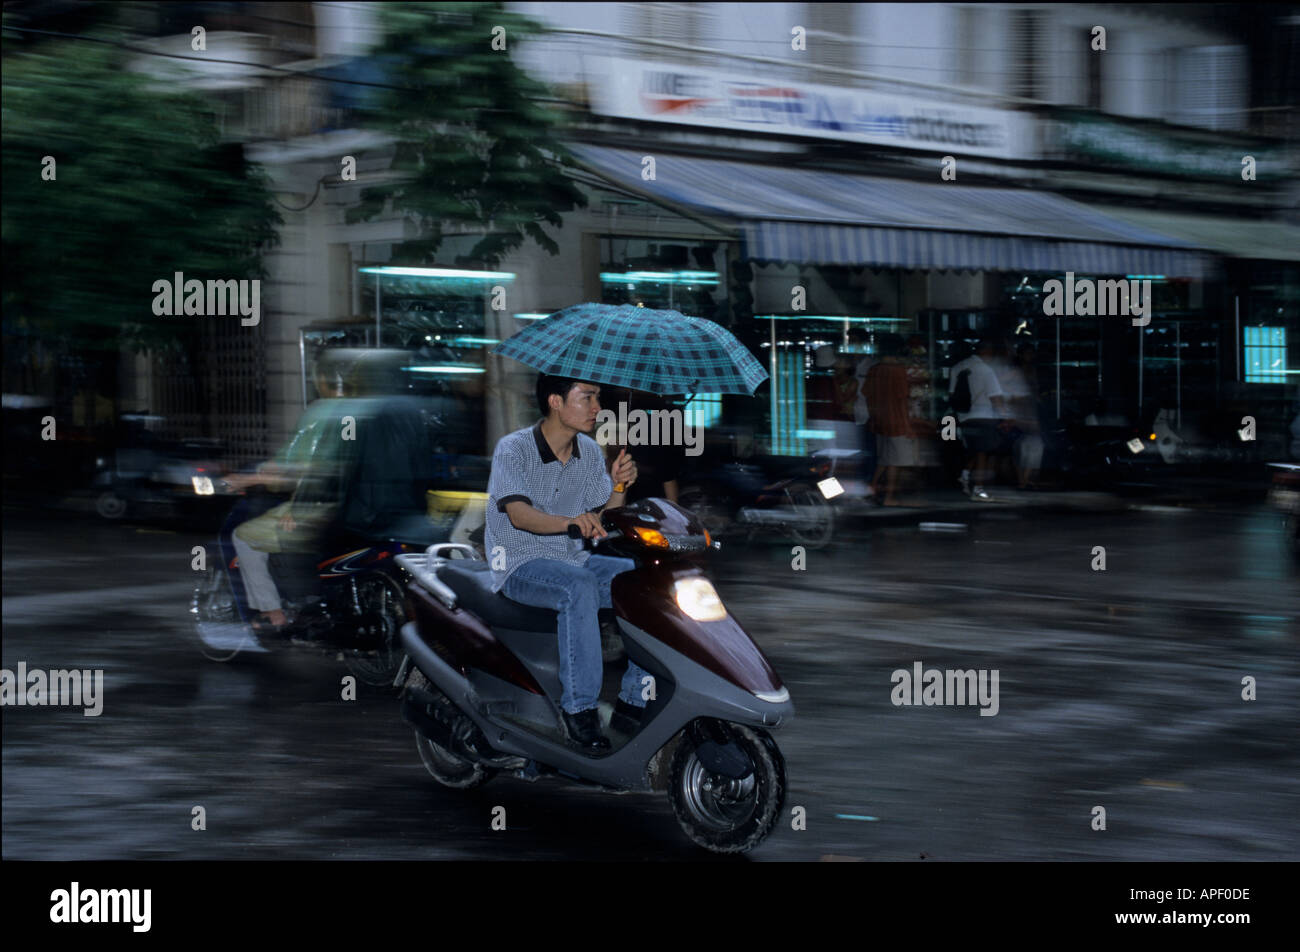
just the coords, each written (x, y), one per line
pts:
(671, 93)
(1093, 138)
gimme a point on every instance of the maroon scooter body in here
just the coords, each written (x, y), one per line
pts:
(643, 596)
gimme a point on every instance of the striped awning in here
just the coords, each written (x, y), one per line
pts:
(815, 217)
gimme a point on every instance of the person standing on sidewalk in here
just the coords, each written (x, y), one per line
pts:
(886, 388)
(1021, 388)
(980, 420)
(861, 412)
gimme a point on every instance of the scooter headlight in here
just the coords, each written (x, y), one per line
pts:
(202, 485)
(699, 599)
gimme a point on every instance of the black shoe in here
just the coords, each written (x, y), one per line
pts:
(584, 729)
(627, 717)
(611, 643)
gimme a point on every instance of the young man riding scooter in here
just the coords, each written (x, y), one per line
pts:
(546, 478)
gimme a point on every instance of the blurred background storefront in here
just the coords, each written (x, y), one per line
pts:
(795, 172)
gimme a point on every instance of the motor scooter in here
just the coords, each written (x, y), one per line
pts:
(481, 683)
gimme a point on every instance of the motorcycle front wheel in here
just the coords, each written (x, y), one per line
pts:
(220, 632)
(724, 814)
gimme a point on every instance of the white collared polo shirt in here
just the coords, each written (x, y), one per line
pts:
(525, 469)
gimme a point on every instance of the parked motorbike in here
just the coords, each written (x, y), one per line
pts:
(481, 685)
(738, 497)
(1284, 496)
(1136, 455)
(144, 473)
(352, 601)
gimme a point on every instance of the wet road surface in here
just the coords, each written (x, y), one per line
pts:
(1118, 688)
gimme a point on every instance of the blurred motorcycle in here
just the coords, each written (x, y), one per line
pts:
(346, 591)
(351, 601)
(737, 497)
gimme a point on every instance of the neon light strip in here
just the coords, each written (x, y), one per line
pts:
(449, 273)
(831, 317)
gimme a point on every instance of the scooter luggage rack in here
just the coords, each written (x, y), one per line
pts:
(423, 568)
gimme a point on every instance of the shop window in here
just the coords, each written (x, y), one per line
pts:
(966, 42)
(1025, 42)
(665, 273)
(1092, 66)
(705, 409)
(831, 31)
(1265, 354)
(789, 404)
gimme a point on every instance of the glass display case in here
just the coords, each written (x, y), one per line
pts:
(438, 318)
(665, 273)
(811, 361)
(1181, 364)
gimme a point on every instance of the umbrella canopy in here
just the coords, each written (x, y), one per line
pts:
(663, 352)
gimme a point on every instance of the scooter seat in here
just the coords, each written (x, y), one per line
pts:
(471, 580)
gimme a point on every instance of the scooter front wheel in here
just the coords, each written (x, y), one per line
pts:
(726, 814)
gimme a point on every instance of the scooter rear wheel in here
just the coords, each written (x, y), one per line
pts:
(723, 814)
(451, 770)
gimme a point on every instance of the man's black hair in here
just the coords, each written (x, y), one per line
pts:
(547, 385)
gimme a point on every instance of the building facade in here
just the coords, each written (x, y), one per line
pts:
(920, 169)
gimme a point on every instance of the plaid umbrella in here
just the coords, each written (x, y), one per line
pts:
(663, 352)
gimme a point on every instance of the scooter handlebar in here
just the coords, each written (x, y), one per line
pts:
(574, 532)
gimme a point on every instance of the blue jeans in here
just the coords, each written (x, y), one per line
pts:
(576, 592)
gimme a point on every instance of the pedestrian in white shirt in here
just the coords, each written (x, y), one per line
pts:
(979, 415)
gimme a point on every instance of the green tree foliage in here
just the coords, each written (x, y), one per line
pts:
(144, 188)
(476, 143)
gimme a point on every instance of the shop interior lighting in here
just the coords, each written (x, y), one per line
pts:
(1145, 277)
(632, 278)
(473, 341)
(450, 274)
(831, 317)
(531, 317)
(445, 369)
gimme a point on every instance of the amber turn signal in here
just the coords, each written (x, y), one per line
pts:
(652, 537)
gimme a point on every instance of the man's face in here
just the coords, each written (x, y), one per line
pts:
(580, 406)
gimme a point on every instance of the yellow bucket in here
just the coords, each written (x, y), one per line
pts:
(445, 502)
